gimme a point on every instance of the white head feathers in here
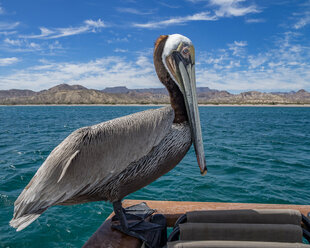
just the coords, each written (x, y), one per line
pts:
(171, 44)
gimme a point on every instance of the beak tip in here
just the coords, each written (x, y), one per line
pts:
(204, 172)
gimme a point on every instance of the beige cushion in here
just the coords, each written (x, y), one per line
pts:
(241, 232)
(258, 216)
(233, 244)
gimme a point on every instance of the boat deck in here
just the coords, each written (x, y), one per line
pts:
(172, 210)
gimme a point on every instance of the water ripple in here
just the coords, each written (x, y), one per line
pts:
(253, 155)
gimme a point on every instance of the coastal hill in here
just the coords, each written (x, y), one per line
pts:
(77, 94)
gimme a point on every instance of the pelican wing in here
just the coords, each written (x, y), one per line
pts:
(89, 157)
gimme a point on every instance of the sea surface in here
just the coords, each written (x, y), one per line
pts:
(254, 154)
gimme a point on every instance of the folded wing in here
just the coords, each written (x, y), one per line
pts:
(89, 157)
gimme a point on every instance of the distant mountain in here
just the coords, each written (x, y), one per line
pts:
(281, 93)
(77, 94)
(125, 90)
(162, 91)
(116, 90)
(16, 93)
(66, 87)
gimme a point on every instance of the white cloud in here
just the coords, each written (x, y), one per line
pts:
(8, 25)
(25, 46)
(12, 42)
(135, 11)
(87, 27)
(169, 5)
(240, 43)
(96, 24)
(202, 16)
(7, 33)
(2, 11)
(55, 46)
(303, 21)
(8, 61)
(256, 61)
(34, 45)
(20, 45)
(223, 8)
(238, 47)
(143, 61)
(96, 74)
(119, 50)
(254, 20)
(227, 8)
(118, 39)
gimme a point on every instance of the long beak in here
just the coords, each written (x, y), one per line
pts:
(185, 73)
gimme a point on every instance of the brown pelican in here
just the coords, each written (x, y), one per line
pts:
(110, 160)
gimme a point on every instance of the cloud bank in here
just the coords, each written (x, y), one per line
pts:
(97, 74)
(220, 9)
(283, 68)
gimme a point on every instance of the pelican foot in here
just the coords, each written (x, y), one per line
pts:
(132, 221)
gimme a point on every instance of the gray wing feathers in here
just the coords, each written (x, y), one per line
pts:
(88, 157)
(67, 165)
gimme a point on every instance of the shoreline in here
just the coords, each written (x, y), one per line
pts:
(156, 105)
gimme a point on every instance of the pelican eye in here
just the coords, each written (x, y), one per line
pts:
(185, 51)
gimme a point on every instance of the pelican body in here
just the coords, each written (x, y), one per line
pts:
(110, 160)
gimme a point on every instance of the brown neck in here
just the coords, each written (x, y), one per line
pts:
(176, 96)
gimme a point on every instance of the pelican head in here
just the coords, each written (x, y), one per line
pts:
(177, 57)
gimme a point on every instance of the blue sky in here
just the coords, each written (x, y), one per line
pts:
(240, 45)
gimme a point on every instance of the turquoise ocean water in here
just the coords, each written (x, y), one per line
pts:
(254, 154)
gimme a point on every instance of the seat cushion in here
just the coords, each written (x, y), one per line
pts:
(233, 244)
(255, 216)
(241, 232)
